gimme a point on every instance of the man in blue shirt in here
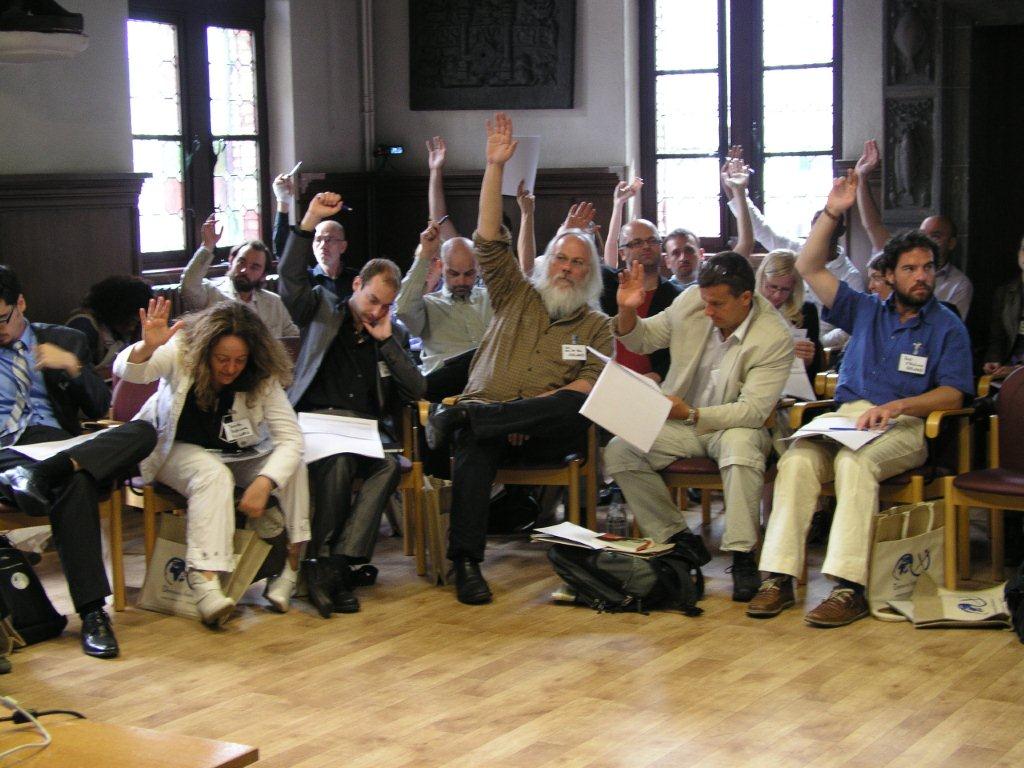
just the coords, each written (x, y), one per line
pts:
(907, 356)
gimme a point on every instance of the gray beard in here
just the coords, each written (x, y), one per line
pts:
(558, 302)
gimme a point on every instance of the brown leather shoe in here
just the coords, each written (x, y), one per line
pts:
(844, 606)
(773, 597)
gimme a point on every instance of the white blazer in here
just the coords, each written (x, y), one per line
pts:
(270, 415)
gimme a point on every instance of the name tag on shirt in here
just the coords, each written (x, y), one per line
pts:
(233, 431)
(382, 369)
(916, 364)
(574, 352)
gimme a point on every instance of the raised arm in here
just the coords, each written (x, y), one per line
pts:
(623, 191)
(193, 295)
(736, 177)
(437, 153)
(293, 281)
(500, 148)
(284, 192)
(527, 245)
(409, 303)
(814, 255)
(870, 218)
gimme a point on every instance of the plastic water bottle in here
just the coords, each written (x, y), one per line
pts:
(616, 522)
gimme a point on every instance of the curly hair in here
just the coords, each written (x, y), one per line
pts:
(900, 244)
(782, 263)
(117, 299)
(268, 360)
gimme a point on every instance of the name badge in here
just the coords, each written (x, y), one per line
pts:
(574, 352)
(915, 364)
(233, 431)
(382, 369)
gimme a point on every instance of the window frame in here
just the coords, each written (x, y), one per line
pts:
(741, 102)
(191, 18)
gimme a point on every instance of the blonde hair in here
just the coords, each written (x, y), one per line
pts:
(268, 360)
(782, 263)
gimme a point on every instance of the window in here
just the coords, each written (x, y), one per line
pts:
(760, 73)
(197, 90)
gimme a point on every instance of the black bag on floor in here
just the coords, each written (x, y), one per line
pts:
(613, 581)
(1014, 593)
(32, 613)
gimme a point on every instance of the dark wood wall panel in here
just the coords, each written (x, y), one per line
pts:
(61, 233)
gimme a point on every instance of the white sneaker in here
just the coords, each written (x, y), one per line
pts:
(213, 605)
(281, 588)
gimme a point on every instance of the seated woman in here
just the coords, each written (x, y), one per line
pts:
(778, 281)
(221, 389)
(109, 317)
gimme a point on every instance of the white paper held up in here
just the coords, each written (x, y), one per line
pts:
(522, 166)
(327, 435)
(627, 404)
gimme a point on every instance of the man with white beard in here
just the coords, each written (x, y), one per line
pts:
(530, 375)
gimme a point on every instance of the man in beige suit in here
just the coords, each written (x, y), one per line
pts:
(731, 356)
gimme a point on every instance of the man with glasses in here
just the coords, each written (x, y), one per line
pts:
(640, 243)
(531, 374)
(731, 356)
(330, 272)
(247, 266)
(46, 378)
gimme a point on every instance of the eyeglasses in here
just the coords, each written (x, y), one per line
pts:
(324, 239)
(638, 243)
(5, 319)
(717, 269)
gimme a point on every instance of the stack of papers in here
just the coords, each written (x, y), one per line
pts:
(327, 435)
(574, 535)
(842, 429)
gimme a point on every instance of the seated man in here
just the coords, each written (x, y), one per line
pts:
(247, 265)
(46, 377)
(449, 321)
(531, 374)
(353, 362)
(907, 356)
(731, 356)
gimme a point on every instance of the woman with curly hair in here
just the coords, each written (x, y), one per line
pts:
(221, 392)
(109, 317)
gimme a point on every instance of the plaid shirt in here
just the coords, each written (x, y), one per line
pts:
(521, 353)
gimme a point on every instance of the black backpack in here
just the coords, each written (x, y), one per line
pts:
(1014, 593)
(613, 581)
(32, 613)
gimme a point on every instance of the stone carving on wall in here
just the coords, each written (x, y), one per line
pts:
(491, 54)
(910, 42)
(909, 141)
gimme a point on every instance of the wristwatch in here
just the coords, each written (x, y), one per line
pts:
(691, 417)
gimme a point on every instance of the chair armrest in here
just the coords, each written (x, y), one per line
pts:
(984, 385)
(934, 422)
(798, 415)
(423, 406)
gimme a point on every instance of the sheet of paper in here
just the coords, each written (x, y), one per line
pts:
(523, 165)
(41, 451)
(842, 429)
(573, 532)
(627, 404)
(327, 435)
(798, 385)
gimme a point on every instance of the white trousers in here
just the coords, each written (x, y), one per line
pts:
(209, 485)
(809, 463)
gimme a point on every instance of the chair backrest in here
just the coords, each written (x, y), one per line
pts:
(128, 398)
(1010, 407)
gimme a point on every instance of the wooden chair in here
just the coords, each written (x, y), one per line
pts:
(998, 487)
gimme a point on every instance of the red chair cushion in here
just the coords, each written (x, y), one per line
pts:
(1002, 481)
(692, 466)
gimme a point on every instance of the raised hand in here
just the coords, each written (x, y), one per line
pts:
(525, 198)
(430, 242)
(630, 294)
(153, 322)
(500, 145)
(868, 160)
(323, 206)
(736, 173)
(735, 153)
(625, 190)
(580, 216)
(843, 194)
(209, 233)
(284, 187)
(436, 153)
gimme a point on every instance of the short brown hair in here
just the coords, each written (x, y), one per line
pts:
(386, 268)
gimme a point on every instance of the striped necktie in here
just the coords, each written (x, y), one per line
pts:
(17, 420)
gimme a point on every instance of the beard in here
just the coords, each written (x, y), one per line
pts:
(908, 300)
(243, 284)
(460, 292)
(559, 301)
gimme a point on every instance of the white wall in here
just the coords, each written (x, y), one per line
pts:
(862, 74)
(72, 115)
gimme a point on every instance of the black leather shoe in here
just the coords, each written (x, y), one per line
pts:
(98, 636)
(21, 486)
(746, 579)
(470, 585)
(443, 421)
(321, 581)
(343, 599)
(690, 545)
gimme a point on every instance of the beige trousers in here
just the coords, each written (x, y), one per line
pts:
(809, 463)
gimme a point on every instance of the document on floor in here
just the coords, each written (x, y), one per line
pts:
(577, 536)
(327, 435)
(627, 404)
(842, 429)
(798, 385)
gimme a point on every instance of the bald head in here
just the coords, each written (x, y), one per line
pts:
(641, 241)
(942, 231)
(460, 268)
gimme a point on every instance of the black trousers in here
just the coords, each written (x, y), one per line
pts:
(556, 429)
(74, 515)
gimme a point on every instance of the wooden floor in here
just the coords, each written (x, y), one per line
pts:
(416, 679)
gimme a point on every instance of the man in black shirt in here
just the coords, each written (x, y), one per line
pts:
(353, 362)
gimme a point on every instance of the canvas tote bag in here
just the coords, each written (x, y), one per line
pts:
(907, 542)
